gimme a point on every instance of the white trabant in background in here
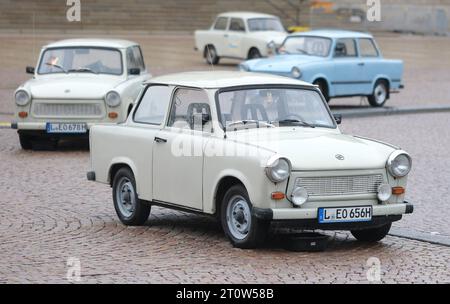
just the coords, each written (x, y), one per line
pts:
(241, 35)
(78, 83)
(250, 149)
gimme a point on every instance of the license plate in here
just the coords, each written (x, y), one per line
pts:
(63, 127)
(345, 214)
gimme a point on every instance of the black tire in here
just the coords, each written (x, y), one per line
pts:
(210, 55)
(323, 88)
(372, 235)
(380, 94)
(25, 142)
(254, 53)
(257, 229)
(138, 215)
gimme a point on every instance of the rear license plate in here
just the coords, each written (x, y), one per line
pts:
(345, 214)
(63, 127)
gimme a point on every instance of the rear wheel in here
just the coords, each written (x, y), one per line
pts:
(130, 210)
(372, 235)
(380, 94)
(210, 54)
(242, 228)
(254, 53)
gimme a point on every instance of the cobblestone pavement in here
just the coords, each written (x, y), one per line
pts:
(51, 213)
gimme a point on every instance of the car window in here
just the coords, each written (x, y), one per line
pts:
(190, 110)
(237, 25)
(367, 48)
(134, 58)
(221, 23)
(345, 48)
(153, 105)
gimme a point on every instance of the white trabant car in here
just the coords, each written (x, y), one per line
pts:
(250, 149)
(240, 35)
(78, 83)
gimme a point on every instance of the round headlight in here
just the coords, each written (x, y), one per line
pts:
(384, 192)
(22, 98)
(296, 73)
(112, 99)
(299, 196)
(278, 170)
(399, 164)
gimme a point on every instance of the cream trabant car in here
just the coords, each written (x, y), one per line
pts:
(249, 149)
(78, 83)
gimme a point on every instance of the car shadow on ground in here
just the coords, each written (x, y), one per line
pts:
(67, 144)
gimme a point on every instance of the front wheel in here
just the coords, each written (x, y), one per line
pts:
(372, 235)
(242, 228)
(210, 54)
(130, 210)
(323, 88)
(380, 94)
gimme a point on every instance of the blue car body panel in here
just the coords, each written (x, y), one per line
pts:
(346, 76)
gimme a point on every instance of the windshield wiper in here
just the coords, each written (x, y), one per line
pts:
(296, 122)
(83, 70)
(246, 122)
(303, 51)
(56, 66)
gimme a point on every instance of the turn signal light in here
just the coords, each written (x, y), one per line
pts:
(278, 196)
(398, 190)
(113, 115)
(23, 114)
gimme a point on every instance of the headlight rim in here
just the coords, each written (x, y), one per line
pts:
(28, 98)
(299, 75)
(271, 163)
(113, 105)
(391, 159)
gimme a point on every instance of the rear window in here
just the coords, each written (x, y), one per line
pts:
(221, 23)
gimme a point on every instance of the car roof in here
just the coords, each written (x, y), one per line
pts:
(92, 42)
(246, 15)
(334, 34)
(224, 79)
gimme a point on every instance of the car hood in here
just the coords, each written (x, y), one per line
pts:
(318, 149)
(72, 86)
(267, 36)
(281, 63)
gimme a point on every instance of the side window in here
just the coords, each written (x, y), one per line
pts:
(153, 105)
(345, 48)
(237, 25)
(190, 110)
(367, 48)
(221, 24)
(134, 58)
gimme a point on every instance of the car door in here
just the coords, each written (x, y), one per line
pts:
(236, 35)
(178, 150)
(370, 58)
(346, 78)
(148, 118)
(220, 36)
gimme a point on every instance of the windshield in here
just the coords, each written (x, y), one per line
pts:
(273, 107)
(265, 24)
(305, 45)
(81, 59)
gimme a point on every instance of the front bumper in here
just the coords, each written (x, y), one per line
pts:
(307, 218)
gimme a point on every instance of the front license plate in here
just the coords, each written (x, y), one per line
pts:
(345, 214)
(63, 127)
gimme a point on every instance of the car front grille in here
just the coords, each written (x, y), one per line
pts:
(340, 185)
(65, 109)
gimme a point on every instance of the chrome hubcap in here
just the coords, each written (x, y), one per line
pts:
(238, 217)
(380, 93)
(125, 196)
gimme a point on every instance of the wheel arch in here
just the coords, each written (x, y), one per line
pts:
(224, 183)
(386, 79)
(116, 165)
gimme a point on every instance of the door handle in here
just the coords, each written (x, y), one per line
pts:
(361, 63)
(160, 140)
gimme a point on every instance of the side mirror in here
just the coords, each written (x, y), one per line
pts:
(29, 70)
(134, 71)
(338, 118)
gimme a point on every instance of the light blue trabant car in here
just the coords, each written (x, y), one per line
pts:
(341, 63)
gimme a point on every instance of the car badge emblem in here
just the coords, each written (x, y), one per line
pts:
(339, 157)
